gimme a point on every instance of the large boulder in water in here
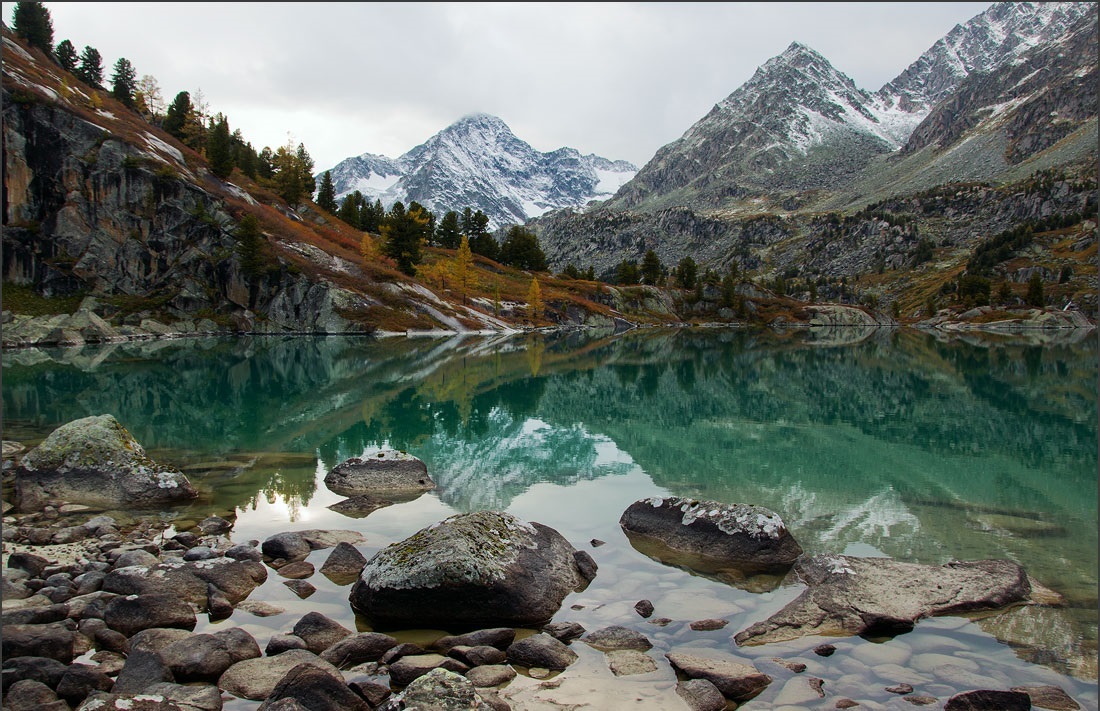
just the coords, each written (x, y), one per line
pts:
(388, 473)
(482, 569)
(846, 595)
(734, 541)
(95, 460)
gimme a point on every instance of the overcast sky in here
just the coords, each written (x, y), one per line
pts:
(616, 79)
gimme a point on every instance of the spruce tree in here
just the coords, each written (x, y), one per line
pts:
(66, 56)
(521, 250)
(351, 209)
(124, 82)
(651, 268)
(1035, 296)
(326, 196)
(403, 232)
(176, 116)
(31, 21)
(219, 148)
(91, 67)
(447, 234)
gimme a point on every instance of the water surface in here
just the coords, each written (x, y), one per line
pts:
(899, 444)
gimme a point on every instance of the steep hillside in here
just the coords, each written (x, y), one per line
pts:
(100, 203)
(477, 162)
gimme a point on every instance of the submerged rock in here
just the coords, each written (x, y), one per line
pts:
(480, 569)
(737, 681)
(737, 540)
(851, 596)
(389, 473)
(95, 460)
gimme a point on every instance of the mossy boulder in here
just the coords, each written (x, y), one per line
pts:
(96, 461)
(482, 569)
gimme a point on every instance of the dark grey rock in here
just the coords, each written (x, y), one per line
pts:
(111, 641)
(199, 553)
(189, 580)
(482, 568)
(256, 678)
(644, 608)
(218, 606)
(477, 656)
(79, 680)
(402, 650)
(301, 588)
(316, 689)
(499, 637)
(33, 564)
(1049, 697)
(214, 525)
(42, 669)
(143, 669)
(280, 643)
(739, 540)
(30, 695)
(564, 631)
(36, 615)
(288, 546)
(358, 648)
(54, 640)
(988, 700)
(320, 632)
(344, 564)
(413, 666)
(360, 506)
(244, 552)
(541, 650)
(204, 657)
(129, 614)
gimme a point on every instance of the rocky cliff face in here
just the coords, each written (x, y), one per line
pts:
(123, 221)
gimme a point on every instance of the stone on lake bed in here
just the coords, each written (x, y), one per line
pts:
(708, 536)
(480, 569)
(388, 473)
(95, 460)
(847, 595)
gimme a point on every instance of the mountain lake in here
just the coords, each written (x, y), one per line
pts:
(894, 442)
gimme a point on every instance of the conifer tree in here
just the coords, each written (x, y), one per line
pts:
(651, 268)
(326, 197)
(403, 232)
(521, 250)
(350, 209)
(91, 67)
(447, 234)
(219, 148)
(178, 111)
(686, 273)
(66, 56)
(124, 82)
(1035, 296)
(31, 21)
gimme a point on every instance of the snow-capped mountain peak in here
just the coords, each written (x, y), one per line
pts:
(477, 162)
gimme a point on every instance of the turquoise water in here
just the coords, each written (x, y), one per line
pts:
(900, 444)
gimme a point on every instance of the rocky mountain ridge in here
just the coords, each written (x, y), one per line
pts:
(477, 162)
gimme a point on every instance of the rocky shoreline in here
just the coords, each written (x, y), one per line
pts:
(101, 614)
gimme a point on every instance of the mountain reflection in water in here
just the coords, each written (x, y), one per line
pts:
(918, 448)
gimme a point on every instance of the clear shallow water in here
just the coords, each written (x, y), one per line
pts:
(898, 445)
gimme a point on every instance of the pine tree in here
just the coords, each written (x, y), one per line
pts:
(91, 67)
(403, 232)
(521, 250)
(124, 82)
(651, 268)
(350, 209)
(66, 56)
(31, 21)
(686, 273)
(1035, 296)
(447, 234)
(326, 196)
(250, 247)
(627, 273)
(219, 148)
(178, 111)
(371, 216)
(534, 301)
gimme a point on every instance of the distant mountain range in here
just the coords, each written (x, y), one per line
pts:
(999, 98)
(477, 162)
